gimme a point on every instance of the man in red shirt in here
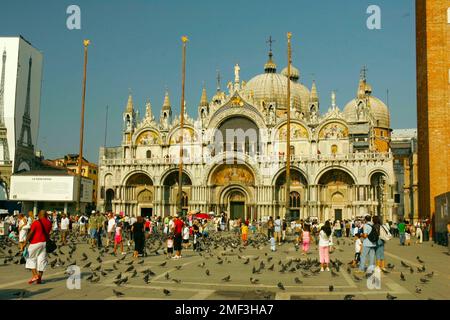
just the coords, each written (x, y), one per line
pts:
(37, 254)
(178, 228)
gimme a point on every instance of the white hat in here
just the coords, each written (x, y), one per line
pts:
(93, 211)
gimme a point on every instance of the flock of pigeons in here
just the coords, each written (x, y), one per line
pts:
(218, 246)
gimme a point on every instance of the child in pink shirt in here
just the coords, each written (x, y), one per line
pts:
(305, 238)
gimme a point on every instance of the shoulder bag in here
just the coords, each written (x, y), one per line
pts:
(50, 245)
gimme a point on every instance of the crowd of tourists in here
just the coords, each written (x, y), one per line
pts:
(33, 234)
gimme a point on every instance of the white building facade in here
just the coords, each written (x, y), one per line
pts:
(235, 154)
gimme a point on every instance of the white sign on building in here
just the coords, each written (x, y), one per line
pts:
(49, 188)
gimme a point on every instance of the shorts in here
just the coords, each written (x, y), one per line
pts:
(185, 240)
(357, 256)
(169, 250)
(37, 256)
(177, 242)
(93, 233)
(117, 239)
(244, 237)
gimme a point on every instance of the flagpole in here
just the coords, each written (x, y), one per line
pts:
(80, 155)
(184, 39)
(288, 127)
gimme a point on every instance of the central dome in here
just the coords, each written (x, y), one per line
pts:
(272, 87)
(377, 108)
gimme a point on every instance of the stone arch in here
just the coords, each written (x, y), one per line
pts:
(194, 135)
(225, 113)
(337, 197)
(147, 136)
(230, 188)
(219, 160)
(169, 172)
(379, 170)
(145, 195)
(293, 168)
(226, 174)
(108, 179)
(335, 167)
(379, 190)
(136, 174)
(276, 131)
(329, 122)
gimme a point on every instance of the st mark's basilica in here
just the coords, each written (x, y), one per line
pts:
(341, 164)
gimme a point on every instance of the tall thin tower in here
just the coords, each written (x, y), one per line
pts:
(26, 120)
(433, 101)
(3, 132)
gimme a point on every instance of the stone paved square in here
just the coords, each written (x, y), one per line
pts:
(190, 282)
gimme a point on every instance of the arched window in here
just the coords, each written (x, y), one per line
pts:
(149, 154)
(184, 199)
(295, 199)
(247, 145)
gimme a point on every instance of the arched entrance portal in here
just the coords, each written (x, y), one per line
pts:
(232, 188)
(379, 193)
(336, 190)
(145, 201)
(139, 195)
(108, 200)
(170, 191)
(297, 199)
(234, 200)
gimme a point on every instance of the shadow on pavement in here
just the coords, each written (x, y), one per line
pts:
(9, 294)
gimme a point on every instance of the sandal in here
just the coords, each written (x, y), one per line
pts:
(34, 279)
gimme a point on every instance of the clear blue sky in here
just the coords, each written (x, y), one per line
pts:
(136, 44)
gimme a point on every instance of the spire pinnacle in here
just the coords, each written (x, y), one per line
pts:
(270, 66)
(148, 110)
(314, 95)
(362, 82)
(130, 102)
(166, 104)
(204, 98)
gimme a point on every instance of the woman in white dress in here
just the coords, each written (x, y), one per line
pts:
(23, 231)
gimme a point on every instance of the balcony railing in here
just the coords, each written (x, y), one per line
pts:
(253, 158)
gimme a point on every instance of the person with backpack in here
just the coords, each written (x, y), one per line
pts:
(82, 221)
(370, 236)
